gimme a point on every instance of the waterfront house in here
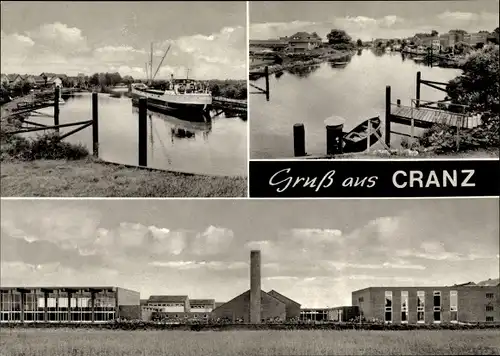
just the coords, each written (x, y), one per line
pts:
(447, 40)
(475, 38)
(55, 82)
(274, 44)
(303, 41)
(4, 79)
(14, 79)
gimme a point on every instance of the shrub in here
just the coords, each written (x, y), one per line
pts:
(47, 146)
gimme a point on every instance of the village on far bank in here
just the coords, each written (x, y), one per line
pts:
(472, 93)
(309, 48)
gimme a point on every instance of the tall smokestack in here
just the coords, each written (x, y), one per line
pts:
(255, 317)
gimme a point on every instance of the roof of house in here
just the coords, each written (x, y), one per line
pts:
(281, 297)
(202, 301)
(12, 76)
(167, 298)
(490, 282)
(248, 292)
(304, 37)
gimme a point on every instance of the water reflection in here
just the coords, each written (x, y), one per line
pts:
(303, 72)
(355, 92)
(359, 52)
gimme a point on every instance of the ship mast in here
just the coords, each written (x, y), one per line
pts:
(151, 65)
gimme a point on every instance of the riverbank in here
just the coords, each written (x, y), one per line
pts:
(290, 62)
(411, 154)
(90, 177)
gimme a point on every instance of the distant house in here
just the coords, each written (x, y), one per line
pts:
(14, 78)
(55, 82)
(475, 38)
(303, 41)
(4, 79)
(447, 40)
(279, 44)
(39, 81)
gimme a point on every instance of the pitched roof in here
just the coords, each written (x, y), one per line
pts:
(12, 76)
(490, 282)
(282, 298)
(167, 298)
(304, 36)
(202, 301)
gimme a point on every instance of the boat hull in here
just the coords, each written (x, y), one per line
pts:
(189, 103)
(351, 146)
(194, 114)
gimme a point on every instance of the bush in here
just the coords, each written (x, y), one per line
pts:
(47, 146)
(442, 138)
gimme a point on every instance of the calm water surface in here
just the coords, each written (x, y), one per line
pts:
(219, 148)
(355, 92)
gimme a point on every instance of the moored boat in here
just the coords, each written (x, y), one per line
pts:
(356, 140)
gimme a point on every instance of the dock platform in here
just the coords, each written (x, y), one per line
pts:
(426, 117)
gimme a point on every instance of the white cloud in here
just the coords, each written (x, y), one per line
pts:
(212, 241)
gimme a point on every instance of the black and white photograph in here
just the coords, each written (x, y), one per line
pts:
(250, 277)
(124, 99)
(374, 79)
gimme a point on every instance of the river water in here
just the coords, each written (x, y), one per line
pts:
(219, 148)
(354, 92)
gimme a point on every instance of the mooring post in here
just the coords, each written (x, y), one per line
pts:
(143, 132)
(398, 102)
(334, 135)
(299, 140)
(56, 108)
(266, 74)
(388, 116)
(95, 125)
(419, 78)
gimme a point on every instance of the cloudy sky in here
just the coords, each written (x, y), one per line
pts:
(315, 252)
(73, 37)
(370, 19)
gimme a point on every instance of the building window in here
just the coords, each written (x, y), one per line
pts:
(437, 306)
(490, 318)
(420, 306)
(388, 307)
(489, 308)
(360, 299)
(404, 306)
(490, 295)
(453, 306)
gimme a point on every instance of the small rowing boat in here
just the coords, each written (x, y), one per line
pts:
(356, 140)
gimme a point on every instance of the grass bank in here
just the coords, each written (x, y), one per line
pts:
(47, 168)
(58, 342)
(303, 60)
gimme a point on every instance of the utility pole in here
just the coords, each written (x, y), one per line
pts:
(187, 74)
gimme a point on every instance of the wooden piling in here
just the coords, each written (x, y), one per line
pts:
(143, 132)
(299, 140)
(388, 116)
(56, 109)
(419, 79)
(334, 135)
(398, 102)
(95, 125)
(266, 74)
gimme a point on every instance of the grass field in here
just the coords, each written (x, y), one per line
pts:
(59, 342)
(87, 178)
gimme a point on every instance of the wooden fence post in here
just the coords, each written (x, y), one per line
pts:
(299, 140)
(388, 116)
(95, 125)
(419, 78)
(56, 109)
(143, 132)
(266, 73)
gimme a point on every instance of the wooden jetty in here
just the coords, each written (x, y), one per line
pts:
(265, 74)
(232, 105)
(424, 114)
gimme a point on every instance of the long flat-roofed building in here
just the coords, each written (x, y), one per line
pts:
(68, 304)
(468, 302)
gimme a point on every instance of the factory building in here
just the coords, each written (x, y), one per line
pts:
(256, 306)
(467, 302)
(68, 304)
(175, 308)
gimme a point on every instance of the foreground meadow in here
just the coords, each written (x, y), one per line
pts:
(59, 342)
